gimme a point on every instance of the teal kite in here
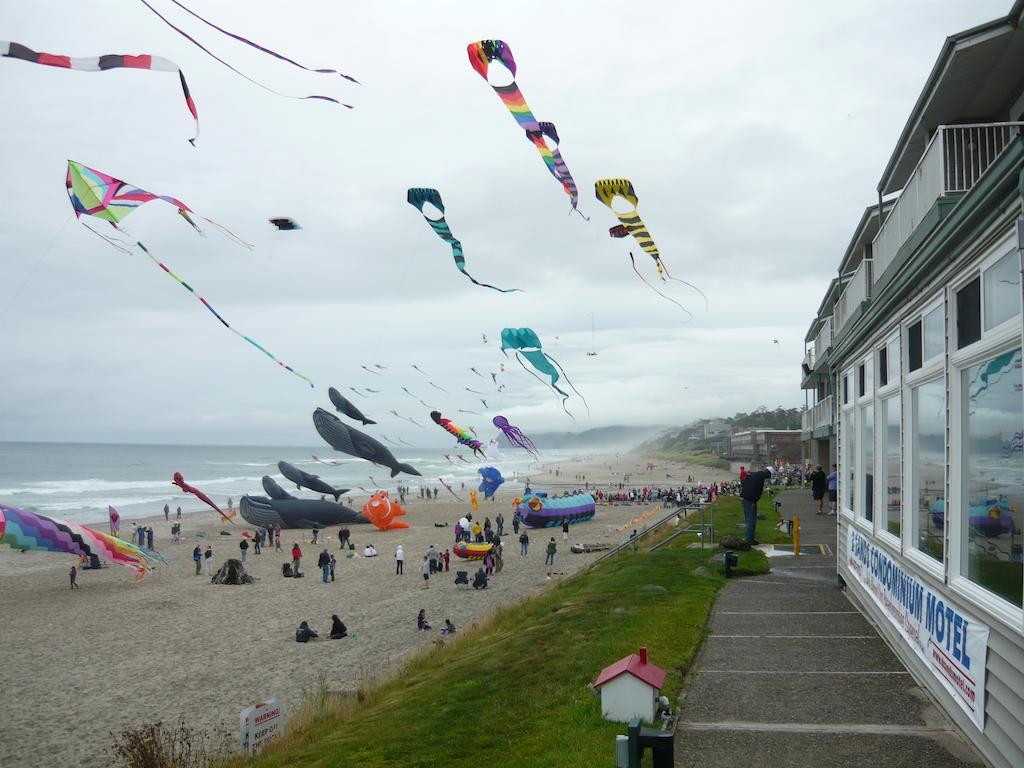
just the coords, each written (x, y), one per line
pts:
(527, 344)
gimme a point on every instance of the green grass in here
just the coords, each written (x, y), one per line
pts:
(513, 691)
(729, 515)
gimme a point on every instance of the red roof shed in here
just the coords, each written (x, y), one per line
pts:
(636, 665)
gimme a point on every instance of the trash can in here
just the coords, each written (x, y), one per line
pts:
(731, 561)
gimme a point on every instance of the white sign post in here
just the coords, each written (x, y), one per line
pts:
(259, 724)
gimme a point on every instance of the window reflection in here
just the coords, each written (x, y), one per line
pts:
(929, 451)
(850, 454)
(867, 442)
(889, 428)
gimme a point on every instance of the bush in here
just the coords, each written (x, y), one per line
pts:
(154, 745)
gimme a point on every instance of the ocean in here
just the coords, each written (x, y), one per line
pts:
(77, 481)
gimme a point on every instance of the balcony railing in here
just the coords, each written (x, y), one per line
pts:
(823, 340)
(809, 358)
(821, 414)
(857, 289)
(954, 160)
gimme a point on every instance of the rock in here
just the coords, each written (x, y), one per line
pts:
(619, 610)
(653, 588)
(733, 542)
(700, 570)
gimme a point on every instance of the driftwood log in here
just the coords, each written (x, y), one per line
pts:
(232, 572)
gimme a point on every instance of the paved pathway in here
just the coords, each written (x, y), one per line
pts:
(792, 675)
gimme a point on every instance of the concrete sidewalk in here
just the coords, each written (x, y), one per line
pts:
(791, 674)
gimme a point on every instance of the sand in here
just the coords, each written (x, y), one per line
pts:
(77, 666)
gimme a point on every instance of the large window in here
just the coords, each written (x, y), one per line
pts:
(890, 446)
(849, 479)
(934, 334)
(993, 475)
(928, 464)
(867, 462)
(1002, 291)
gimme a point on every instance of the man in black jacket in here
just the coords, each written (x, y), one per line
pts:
(751, 488)
(819, 484)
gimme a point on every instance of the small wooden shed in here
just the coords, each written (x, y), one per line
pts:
(630, 688)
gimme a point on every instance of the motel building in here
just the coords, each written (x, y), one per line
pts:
(914, 362)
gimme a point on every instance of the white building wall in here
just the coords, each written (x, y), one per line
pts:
(627, 697)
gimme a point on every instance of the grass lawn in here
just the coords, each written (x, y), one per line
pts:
(513, 691)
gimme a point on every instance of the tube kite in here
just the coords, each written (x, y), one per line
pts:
(457, 432)
(94, 193)
(250, 43)
(28, 531)
(526, 343)
(179, 481)
(481, 54)
(632, 225)
(418, 197)
(450, 489)
(103, 64)
(514, 435)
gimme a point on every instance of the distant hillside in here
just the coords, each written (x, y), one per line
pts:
(602, 437)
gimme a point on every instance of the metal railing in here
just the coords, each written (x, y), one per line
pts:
(954, 160)
(823, 340)
(857, 290)
(806, 424)
(809, 358)
(677, 512)
(821, 414)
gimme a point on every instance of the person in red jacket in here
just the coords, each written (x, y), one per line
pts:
(296, 557)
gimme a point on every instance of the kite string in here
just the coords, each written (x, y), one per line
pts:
(679, 280)
(644, 280)
(34, 267)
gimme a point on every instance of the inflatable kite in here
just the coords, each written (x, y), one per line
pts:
(631, 224)
(471, 551)
(94, 193)
(350, 440)
(458, 433)
(382, 511)
(251, 44)
(474, 500)
(527, 344)
(481, 54)
(103, 64)
(345, 406)
(418, 197)
(28, 531)
(284, 224)
(273, 490)
(540, 511)
(185, 487)
(296, 513)
(514, 435)
(306, 480)
(490, 481)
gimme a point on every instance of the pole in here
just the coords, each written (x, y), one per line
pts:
(796, 536)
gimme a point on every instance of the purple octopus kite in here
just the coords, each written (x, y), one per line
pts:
(514, 435)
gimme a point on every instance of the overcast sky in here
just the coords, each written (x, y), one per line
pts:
(754, 134)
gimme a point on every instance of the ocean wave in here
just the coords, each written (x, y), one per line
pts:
(96, 485)
(241, 463)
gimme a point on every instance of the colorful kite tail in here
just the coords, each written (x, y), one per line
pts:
(698, 290)
(644, 280)
(569, 382)
(564, 395)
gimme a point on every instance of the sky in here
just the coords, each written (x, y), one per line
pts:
(754, 135)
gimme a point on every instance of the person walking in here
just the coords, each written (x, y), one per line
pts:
(819, 484)
(74, 576)
(296, 557)
(524, 544)
(179, 513)
(565, 530)
(244, 546)
(256, 542)
(399, 560)
(167, 513)
(197, 556)
(751, 488)
(549, 558)
(833, 489)
(426, 573)
(343, 536)
(499, 521)
(208, 559)
(324, 561)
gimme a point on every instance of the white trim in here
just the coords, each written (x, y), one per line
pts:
(909, 528)
(988, 603)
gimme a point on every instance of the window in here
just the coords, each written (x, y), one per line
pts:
(893, 358)
(1002, 291)
(993, 475)
(846, 389)
(867, 461)
(850, 459)
(889, 433)
(914, 360)
(934, 334)
(928, 462)
(968, 314)
(860, 381)
(883, 367)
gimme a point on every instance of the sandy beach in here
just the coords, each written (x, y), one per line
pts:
(80, 665)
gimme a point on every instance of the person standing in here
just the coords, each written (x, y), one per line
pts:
(399, 560)
(549, 558)
(256, 542)
(447, 559)
(208, 559)
(277, 537)
(179, 513)
(751, 488)
(524, 544)
(343, 536)
(244, 546)
(167, 513)
(426, 573)
(296, 557)
(499, 521)
(74, 576)
(231, 507)
(316, 536)
(565, 530)
(833, 489)
(324, 561)
(333, 563)
(149, 538)
(819, 484)
(197, 556)
(432, 558)
(515, 523)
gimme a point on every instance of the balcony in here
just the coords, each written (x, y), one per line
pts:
(817, 422)
(823, 340)
(856, 291)
(809, 359)
(953, 162)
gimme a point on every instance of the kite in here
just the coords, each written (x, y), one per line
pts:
(474, 502)
(93, 193)
(494, 378)
(382, 367)
(387, 439)
(115, 520)
(381, 511)
(526, 343)
(250, 43)
(329, 462)
(485, 337)
(103, 64)
(345, 406)
(437, 387)
(631, 224)
(450, 490)
(375, 373)
(410, 394)
(306, 480)
(484, 402)
(514, 435)
(420, 370)
(490, 479)
(186, 488)
(461, 458)
(475, 391)
(472, 412)
(448, 457)
(474, 370)
(457, 432)
(274, 491)
(357, 391)
(418, 197)
(404, 443)
(372, 391)
(350, 440)
(285, 225)
(406, 418)
(481, 54)
(28, 531)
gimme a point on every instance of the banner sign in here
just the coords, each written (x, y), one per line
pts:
(259, 724)
(951, 644)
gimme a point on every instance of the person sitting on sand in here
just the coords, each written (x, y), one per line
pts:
(338, 628)
(480, 579)
(421, 620)
(305, 633)
(369, 551)
(448, 628)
